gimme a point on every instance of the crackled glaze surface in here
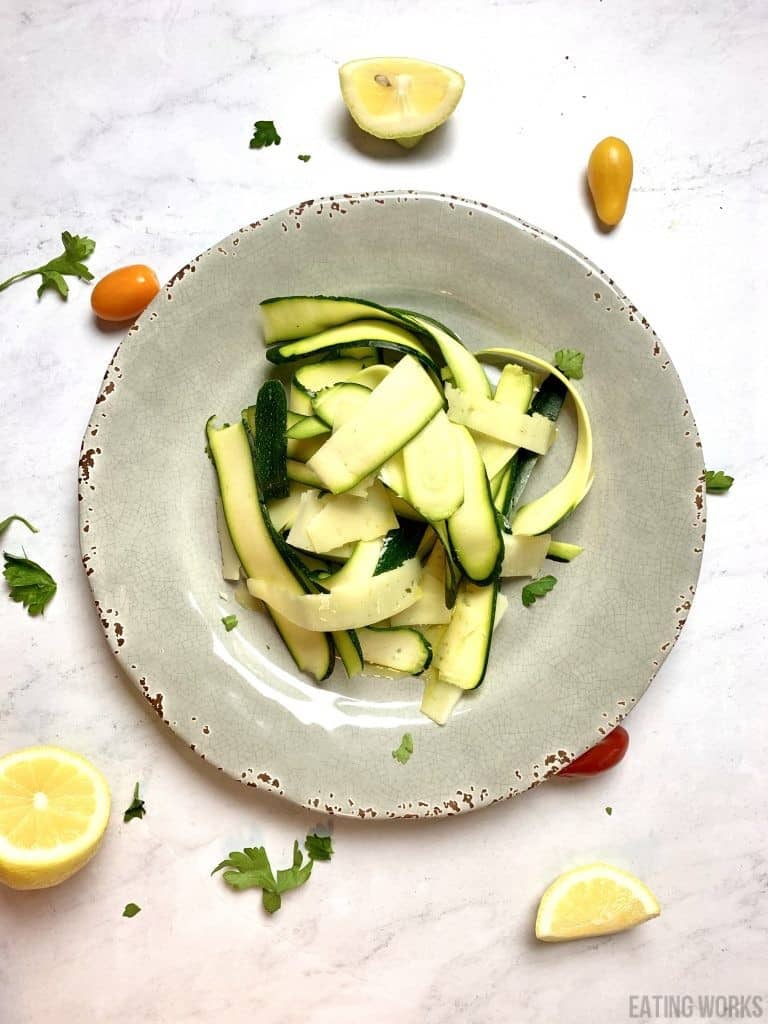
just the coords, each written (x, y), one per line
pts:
(148, 530)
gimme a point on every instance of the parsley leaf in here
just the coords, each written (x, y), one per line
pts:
(137, 808)
(571, 362)
(297, 874)
(318, 847)
(537, 588)
(131, 910)
(305, 157)
(717, 481)
(76, 249)
(250, 869)
(19, 519)
(271, 901)
(404, 751)
(230, 621)
(265, 134)
(29, 583)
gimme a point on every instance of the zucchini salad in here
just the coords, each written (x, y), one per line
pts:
(375, 504)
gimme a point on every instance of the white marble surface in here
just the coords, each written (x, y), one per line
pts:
(130, 123)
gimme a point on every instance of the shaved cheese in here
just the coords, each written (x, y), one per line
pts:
(536, 432)
(524, 556)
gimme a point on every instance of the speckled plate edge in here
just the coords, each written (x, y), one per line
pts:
(530, 776)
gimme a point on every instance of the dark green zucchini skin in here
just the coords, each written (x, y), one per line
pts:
(291, 352)
(266, 427)
(548, 401)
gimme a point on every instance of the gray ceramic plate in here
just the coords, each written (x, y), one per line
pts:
(561, 674)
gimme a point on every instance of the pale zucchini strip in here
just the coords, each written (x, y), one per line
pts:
(434, 470)
(562, 551)
(347, 606)
(405, 401)
(403, 649)
(230, 562)
(440, 698)
(544, 513)
(514, 390)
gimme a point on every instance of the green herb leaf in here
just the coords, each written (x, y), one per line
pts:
(404, 751)
(76, 249)
(318, 847)
(53, 279)
(29, 583)
(230, 621)
(265, 134)
(271, 901)
(136, 809)
(131, 910)
(297, 874)
(537, 588)
(5, 523)
(571, 362)
(305, 157)
(717, 481)
(250, 869)
(609, 811)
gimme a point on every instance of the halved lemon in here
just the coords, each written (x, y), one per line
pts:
(399, 98)
(54, 808)
(596, 899)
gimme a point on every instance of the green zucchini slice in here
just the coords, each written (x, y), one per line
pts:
(402, 648)
(395, 412)
(247, 520)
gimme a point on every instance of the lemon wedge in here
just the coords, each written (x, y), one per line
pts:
(596, 899)
(54, 808)
(399, 98)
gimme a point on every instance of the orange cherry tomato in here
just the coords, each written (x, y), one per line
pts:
(604, 755)
(124, 293)
(609, 174)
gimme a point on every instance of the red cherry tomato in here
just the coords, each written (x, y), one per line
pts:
(124, 293)
(604, 755)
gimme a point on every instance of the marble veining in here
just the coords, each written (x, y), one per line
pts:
(131, 125)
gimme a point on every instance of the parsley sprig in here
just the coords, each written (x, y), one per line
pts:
(537, 588)
(318, 847)
(5, 523)
(250, 869)
(717, 481)
(404, 751)
(264, 134)
(136, 808)
(70, 264)
(570, 362)
(29, 583)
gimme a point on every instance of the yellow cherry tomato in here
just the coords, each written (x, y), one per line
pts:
(609, 174)
(124, 293)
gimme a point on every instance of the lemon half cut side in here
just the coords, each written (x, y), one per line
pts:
(399, 98)
(54, 808)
